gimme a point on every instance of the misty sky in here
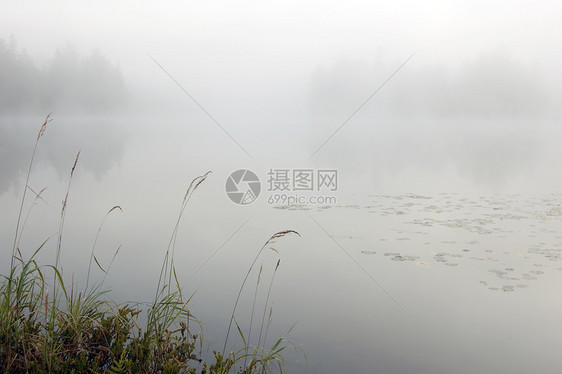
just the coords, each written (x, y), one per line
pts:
(482, 90)
(265, 45)
(481, 93)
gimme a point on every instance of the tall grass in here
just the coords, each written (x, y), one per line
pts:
(73, 329)
(259, 357)
(41, 132)
(93, 256)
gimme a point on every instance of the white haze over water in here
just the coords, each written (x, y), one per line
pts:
(471, 122)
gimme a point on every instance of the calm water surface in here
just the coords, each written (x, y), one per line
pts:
(413, 282)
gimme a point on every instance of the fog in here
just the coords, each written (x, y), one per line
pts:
(482, 76)
(449, 100)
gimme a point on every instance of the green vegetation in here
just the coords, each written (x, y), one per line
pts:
(48, 327)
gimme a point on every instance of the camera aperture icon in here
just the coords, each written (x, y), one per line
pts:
(243, 187)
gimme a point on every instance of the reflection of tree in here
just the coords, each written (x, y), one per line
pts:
(480, 119)
(69, 82)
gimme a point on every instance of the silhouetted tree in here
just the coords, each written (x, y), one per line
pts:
(69, 83)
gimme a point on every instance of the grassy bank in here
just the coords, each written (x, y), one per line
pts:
(50, 326)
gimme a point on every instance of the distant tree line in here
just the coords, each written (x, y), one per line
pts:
(493, 84)
(68, 82)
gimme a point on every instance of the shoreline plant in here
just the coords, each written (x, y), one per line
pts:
(48, 326)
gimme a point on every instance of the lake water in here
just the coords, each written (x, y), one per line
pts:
(461, 284)
(397, 276)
